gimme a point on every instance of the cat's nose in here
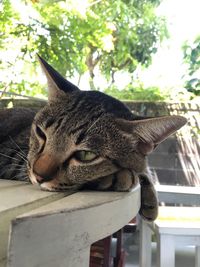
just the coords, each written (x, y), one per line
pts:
(39, 178)
(45, 168)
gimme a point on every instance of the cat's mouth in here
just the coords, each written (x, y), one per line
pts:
(53, 187)
(56, 185)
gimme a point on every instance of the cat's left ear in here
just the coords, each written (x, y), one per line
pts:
(58, 86)
(151, 132)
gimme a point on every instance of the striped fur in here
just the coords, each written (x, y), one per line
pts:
(46, 147)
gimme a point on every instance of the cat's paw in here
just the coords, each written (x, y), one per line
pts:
(149, 200)
(125, 180)
(105, 183)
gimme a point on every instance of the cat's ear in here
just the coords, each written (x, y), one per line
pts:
(57, 85)
(151, 132)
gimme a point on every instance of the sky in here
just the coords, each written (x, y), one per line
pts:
(183, 21)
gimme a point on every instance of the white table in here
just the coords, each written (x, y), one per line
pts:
(57, 229)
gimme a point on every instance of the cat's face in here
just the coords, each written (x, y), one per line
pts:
(74, 140)
(80, 136)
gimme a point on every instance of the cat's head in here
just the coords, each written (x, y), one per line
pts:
(80, 136)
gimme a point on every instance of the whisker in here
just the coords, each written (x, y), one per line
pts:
(21, 155)
(12, 149)
(6, 156)
(15, 144)
(15, 164)
(20, 168)
(20, 178)
(18, 153)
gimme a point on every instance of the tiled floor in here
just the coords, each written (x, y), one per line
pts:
(184, 256)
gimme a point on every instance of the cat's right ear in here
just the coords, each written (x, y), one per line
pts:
(58, 86)
(150, 132)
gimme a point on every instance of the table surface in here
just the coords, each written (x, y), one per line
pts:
(29, 216)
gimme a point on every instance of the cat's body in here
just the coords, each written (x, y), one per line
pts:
(81, 138)
(15, 125)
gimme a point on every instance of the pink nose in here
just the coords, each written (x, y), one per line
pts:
(39, 178)
(45, 168)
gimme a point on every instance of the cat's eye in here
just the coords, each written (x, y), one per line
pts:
(40, 133)
(85, 156)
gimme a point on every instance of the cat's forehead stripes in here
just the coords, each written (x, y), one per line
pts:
(49, 122)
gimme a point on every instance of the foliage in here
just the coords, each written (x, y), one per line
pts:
(137, 93)
(108, 35)
(192, 58)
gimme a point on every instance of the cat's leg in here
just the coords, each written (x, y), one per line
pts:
(125, 180)
(149, 200)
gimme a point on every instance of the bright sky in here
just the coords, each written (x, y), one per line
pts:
(183, 18)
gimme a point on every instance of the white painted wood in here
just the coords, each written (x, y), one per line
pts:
(178, 221)
(175, 226)
(17, 198)
(186, 195)
(145, 244)
(188, 190)
(197, 256)
(165, 251)
(60, 233)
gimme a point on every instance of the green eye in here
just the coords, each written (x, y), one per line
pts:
(85, 155)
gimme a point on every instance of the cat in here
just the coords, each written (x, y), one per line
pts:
(82, 139)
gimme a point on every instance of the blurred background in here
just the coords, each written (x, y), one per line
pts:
(131, 49)
(144, 52)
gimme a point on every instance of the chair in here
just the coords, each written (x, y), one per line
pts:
(175, 225)
(109, 251)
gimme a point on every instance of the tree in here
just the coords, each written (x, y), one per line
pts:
(192, 59)
(111, 35)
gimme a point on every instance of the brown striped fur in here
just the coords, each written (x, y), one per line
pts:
(45, 147)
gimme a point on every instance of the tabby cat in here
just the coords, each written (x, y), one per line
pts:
(81, 138)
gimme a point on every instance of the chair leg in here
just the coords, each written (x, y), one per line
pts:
(118, 235)
(107, 247)
(165, 251)
(100, 253)
(197, 257)
(145, 245)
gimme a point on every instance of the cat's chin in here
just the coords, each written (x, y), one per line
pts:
(52, 188)
(32, 177)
